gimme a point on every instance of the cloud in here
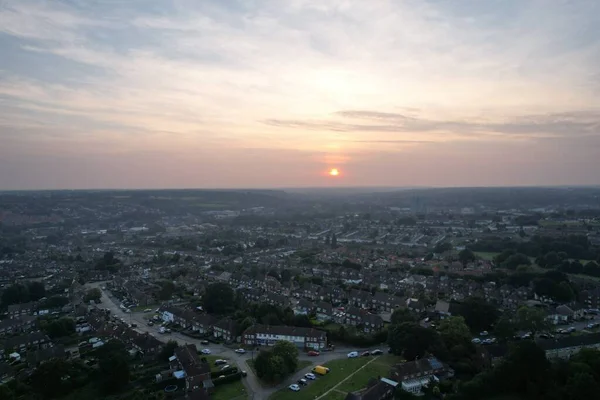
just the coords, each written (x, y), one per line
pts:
(569, 124)
(297, 74)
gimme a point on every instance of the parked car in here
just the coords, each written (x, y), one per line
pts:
(365, 353)
(240, 351)
(313, 353)
(220, 362)
(244, 373)
(150, 323)
(302, 381)
(476, 341)
(353, 354)
(294, 387)
(310, 376)
(224, 367)
(205, 351)
(376, 352)
(204, 342)
(148, 310)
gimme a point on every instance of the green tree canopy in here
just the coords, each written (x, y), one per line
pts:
(92, 294)
(168, 350)
(219, 299)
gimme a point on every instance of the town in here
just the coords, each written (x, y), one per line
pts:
(298, 294)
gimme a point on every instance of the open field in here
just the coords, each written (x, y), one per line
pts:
(340, 370)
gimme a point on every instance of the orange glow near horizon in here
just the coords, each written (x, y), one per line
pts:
(334, 172)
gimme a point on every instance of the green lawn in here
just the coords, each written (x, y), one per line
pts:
(339, 370)
(335, 395)
(230, 391)
(378, 368)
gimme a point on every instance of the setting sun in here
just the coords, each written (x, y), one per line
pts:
(334, 172)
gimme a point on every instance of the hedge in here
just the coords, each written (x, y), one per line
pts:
(225, 372)
(227, 379)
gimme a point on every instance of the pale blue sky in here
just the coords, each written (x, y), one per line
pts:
(192, 93)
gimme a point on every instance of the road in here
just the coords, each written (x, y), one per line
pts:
(251, 382)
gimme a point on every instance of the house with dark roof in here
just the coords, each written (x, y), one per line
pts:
(303, 307)
(16, 325)
(324, 311)
(203, 324)
(22, 309)
(381, 389)
(568, 346)
(226, 329)
(23, 343)
(267, 335)
(35, 358)
(196, 372)
(414, 375)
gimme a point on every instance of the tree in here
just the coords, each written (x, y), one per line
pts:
(591, 268)
(286, 275)
(402, 315)
(516, 260)
(15, 294)
(411, 340)
(36, 291)
(168, 350)
(57, 378)
(92, 294)
(275, 364)
(466, 256)
(113, 366)
(114, 372)
(442, 247)
(58, 328)
(454, 331)
(505, 329)
(167, 290)
(582, 386)
(479, 315)
(531, 319)
(288, 352)
(219, 299)
(6, 393)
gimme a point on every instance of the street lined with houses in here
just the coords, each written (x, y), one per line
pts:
(252, 383)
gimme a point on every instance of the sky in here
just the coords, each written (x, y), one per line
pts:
(273, 93)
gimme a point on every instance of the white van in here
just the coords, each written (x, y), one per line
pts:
(353, 354)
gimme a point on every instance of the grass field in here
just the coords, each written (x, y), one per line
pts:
(230, 391)
(340, 370)
(335, 395)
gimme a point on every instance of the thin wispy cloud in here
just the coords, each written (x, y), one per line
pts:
(336, 81)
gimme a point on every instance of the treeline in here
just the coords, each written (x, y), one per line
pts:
(23, 293)
(575, 246)
(526, 374)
